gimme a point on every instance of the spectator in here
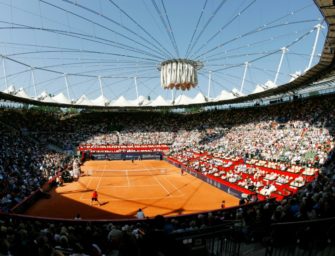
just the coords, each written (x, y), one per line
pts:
(140, 214)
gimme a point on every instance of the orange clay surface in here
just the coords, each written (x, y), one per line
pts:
(123, 187)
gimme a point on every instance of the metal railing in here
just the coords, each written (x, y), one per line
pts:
(304, 238)
(215, 241)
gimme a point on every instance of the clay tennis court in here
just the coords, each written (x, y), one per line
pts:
(124, 186)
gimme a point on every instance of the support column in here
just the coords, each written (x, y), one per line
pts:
(33, 81)
(4, 71)
(209, 83)
(67, 86)
(283, 51)
(244, 75)
(135, 82)
(318, 27)
(100, 84)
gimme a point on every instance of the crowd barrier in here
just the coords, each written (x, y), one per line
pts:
(122, 152)
(125, 156)
(123, 148)
(22, 206)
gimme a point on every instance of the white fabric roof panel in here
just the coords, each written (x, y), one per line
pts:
(258, 88)
(60, 98)
(182, 100)
(83, 100)
(10, 90)
(101, 101)
(159, 101)
(22, 93)
(199, 98)
(225, 95)
(120, 102)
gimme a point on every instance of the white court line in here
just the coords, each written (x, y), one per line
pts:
(86, 186)
(167, 191)
(181, 195)
(177, 189)
(137, 198)
(94, 177)
(102, 174)
(132, 186)
(134, 170)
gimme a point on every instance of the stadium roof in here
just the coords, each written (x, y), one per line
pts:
(30, 66)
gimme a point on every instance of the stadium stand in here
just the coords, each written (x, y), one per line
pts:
(245, 148)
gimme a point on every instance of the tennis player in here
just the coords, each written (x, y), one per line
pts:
(95, 198)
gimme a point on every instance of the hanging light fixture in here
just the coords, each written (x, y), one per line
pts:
(179, 73)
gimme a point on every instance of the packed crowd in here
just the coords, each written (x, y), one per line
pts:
(297, 133)
(25, 166)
